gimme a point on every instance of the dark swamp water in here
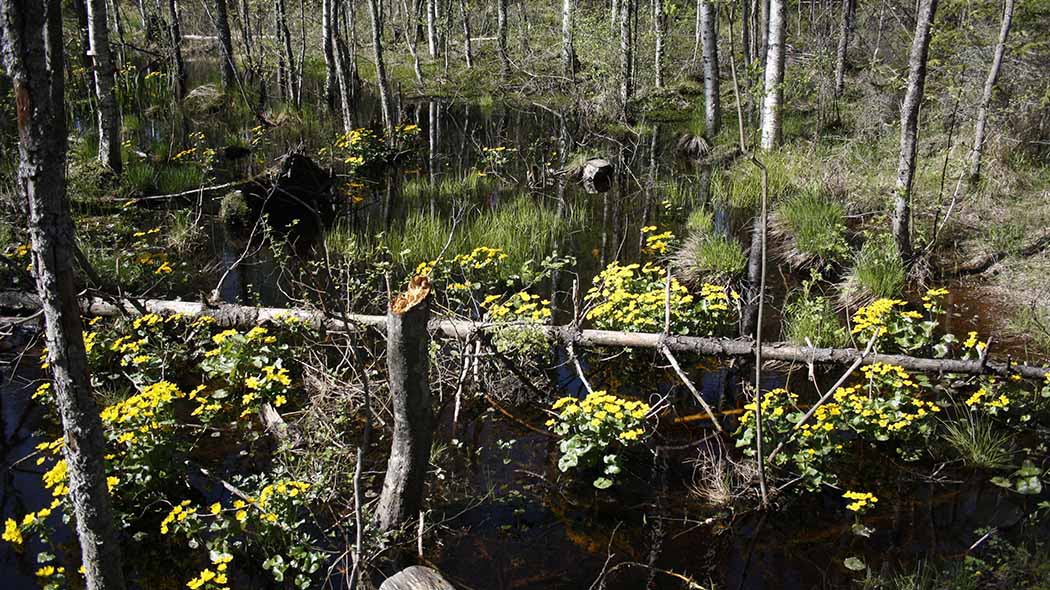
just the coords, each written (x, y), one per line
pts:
(523, 525)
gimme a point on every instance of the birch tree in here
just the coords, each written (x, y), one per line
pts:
(849, 8)
(712, 89)
(328, 48)
(568, 52)
(774, 89)
(33, 54)
(178, 65)
(108, 113)
(626, 79)
(468, 50)
(658, 25)
(920, 48)
(989, 88)
(377, 47)
(225, 44)
(501, 37)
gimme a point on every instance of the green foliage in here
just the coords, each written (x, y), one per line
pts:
(979, 442)
(593, 430)
(878, 271)
(709, 258)
(813, 229)
(898, 329)
(811, 316)
(526, 313)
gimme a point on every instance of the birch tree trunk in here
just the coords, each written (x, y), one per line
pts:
(626, 80)
(408, 363)
(501, 37)
(344, 73)
(328, 48)
(989, 88)
(468, 50)
(774, 90)
(432, 43)
(105, 90)
(247, 36)
(920, 48)
(658, 60)
(568, 52)
(178, 65)
(33, 54)
(712, 87)
(849, 8)
(286, 56)
(377, 46)
(225, 45)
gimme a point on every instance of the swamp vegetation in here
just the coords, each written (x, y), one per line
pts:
(534, 294)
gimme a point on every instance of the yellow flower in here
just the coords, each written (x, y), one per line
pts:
(216, 508)
(12, 534)
(241, 515)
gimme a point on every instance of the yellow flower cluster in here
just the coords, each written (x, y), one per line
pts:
(982, 398)
(481, 257)
(290, 488)
(12, 534)
(177, 514)
(602, 409)
(49, 570)
(874, 316)
(656, 243)
(55, 479)
(861, 501)
(142, 405)
(522, 305)
(774, 403)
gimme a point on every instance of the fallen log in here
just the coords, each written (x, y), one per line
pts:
(417, 578)
(981, 263)
(245, 316)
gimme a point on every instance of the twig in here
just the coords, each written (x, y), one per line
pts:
(689, 385)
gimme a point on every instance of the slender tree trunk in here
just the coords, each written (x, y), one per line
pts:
(381, 82)
(659, 23)
(432, 43)
(344, 72)
(178, 66)
(328, 47)
(745, 33)
(247, 35)
(468, 50)
(33, 54)
(568, 52)
(118, 25)
(774, 90)
(910, 126)
(105, 89)
(225, 45)
(762, 32)
(626, 79)
(712, 89)
(501, 37)
(411, 42)
(286, 55)
(408, 363)
(989, 88)
(845, 31)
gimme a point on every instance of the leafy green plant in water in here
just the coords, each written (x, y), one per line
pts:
(896, 328)
(979, 442)
(526, 315)
(811, 229)
(877, 271)
(592, 432)
(809, 316)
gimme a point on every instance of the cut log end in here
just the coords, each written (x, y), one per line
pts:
(417, 577)
(418, 290)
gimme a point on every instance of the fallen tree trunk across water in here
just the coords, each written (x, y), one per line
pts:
(245, 316)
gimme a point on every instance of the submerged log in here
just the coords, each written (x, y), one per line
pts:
(417, 577)
(245, 316)
(408, 366)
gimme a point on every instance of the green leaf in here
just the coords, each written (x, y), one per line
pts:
(854, 564)
(603, 483)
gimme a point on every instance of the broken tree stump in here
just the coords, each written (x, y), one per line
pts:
(408, 364)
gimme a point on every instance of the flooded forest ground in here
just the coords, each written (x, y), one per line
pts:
(257, 452)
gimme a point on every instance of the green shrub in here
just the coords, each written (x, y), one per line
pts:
(706, 258)
(811, 316)
(878, 272)
(811, 229)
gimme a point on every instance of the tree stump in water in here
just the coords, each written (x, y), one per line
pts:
(597, 175)
(417, 578)
(408, 363)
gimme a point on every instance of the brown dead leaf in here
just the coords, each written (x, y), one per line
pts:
(418, 289)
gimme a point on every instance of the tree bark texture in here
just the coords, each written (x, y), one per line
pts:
(989, 88)
(910, 127)
(32, 51)
(225, 44)
(712, 89)
(501, 37)
(245, 316)
(774, 90)
(568, 52)
(178, 65)
(328, 48)
(108, 115)
(408, 366)
(659, 23)
(626, 79)
(377, 46)
(849, 8)
(468, 49)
